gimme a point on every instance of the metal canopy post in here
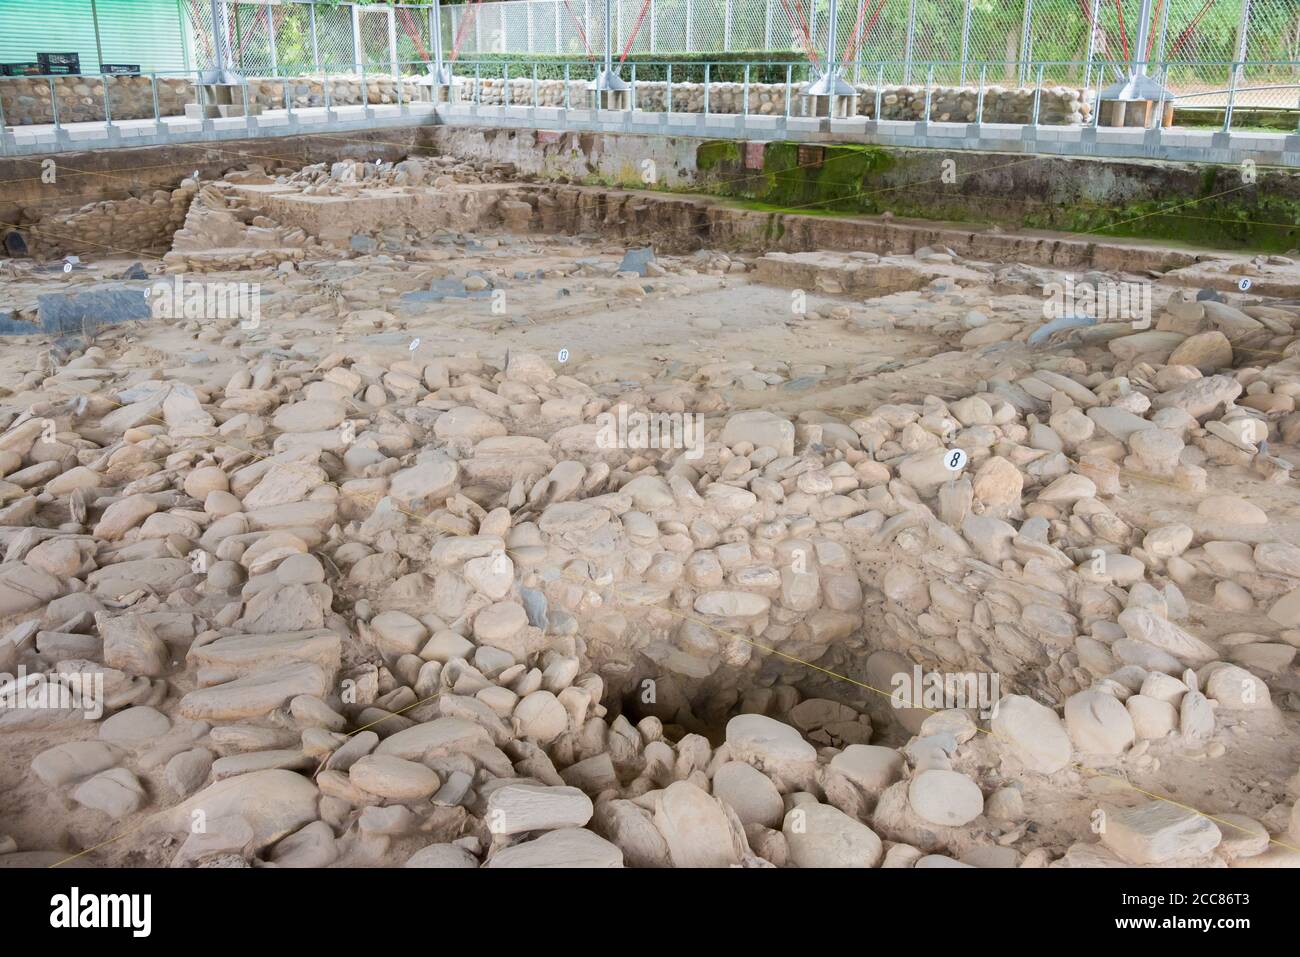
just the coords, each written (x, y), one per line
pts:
(1138, 86)
(223, 70)
(438, 72)
(609, 90)
(830, 84)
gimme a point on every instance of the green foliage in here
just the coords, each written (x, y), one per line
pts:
(766, 66)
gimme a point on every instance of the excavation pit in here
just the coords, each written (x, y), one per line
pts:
(444, 498)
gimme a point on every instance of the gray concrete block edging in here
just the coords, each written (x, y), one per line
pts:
(1173, 145)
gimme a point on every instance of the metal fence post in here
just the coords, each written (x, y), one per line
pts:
(726, 25)
(767, 24)
(979, 104)
(1092, 46)
(356, 38)
(529, 16)
(1038, 96)
(909, 41)
(965, 37)
(99, 45)
(185, 41)
(1025, 41)
(1232, 97)
(315, 40)
(706, 89)
(270, 36)
(392, 46)
(566, 86)
(668, 91)
(4, 128)
(1158, 120)
(1164, 31)
(54, 106)
(654, 27)
(690, 26)
(153, 84)
(1243, 26)
(745, 94)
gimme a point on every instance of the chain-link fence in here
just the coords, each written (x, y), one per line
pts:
(953, 37)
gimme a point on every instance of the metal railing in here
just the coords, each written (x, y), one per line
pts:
(763, 87)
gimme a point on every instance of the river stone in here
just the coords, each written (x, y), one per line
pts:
(309, 416)
(749, 793)
(695, 827)
(1156, 832)
(1032, 732)
(1098, 723)
(442, 855)
(732, 604)
(73, 761)
(943, 797)
(819, 835)
(117, 792)
(393, 778)
(759, 429)
(1144, 625)
(871, 767)
(516, 808)
(1207, 351)
(571, 847)
(767, 743)
(274, 802)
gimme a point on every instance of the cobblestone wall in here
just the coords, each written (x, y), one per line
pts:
(81, 99)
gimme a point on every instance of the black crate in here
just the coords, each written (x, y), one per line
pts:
(120, 69)
(59, 64)
(20, 69)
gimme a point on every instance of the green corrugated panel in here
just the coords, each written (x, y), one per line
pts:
(28, 27)
(147, 32)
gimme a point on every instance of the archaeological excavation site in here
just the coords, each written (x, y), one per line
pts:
(459, 484)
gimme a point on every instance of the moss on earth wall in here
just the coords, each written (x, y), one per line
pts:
(1200, 205)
